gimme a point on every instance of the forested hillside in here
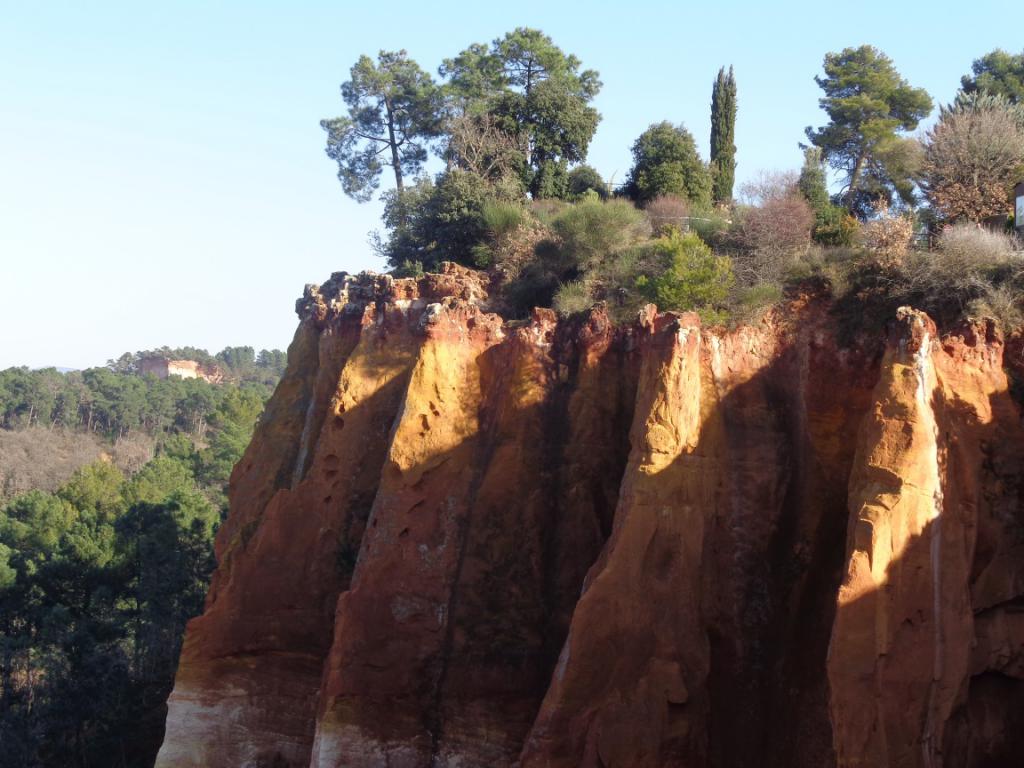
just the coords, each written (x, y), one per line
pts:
(112, 486)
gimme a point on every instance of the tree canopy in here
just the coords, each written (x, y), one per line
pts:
(665, 162)
(974, 155)
(584, 179)
(869, 106)
(693, 277)
(393, 113)
(100, 571)
(997, 73)
(535, 92)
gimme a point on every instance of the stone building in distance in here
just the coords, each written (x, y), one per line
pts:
(187, 369)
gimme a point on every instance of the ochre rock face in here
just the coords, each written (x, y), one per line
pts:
(456, 541)
(928, 642)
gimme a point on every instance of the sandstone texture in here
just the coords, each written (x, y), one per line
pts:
(457, 541)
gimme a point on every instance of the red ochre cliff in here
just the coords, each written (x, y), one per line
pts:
(456, 541)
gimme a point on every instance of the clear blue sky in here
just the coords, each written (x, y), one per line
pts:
(162, 175)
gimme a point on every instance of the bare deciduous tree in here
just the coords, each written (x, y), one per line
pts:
(478, 144)
(887, 235)
(772, 235)
(667, 210)
(766, 186)
(974, 156)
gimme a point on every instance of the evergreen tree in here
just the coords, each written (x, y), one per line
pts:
(723, 136)
(533, 92)
(869, 107)
(666, 162)
(393, 112)
(997, 73)
(832, 224)
(584, 179)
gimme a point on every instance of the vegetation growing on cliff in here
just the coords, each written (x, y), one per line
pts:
(112, 484)
(513, 123)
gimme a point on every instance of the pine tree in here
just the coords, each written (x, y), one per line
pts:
(723, 135)
(872, 110)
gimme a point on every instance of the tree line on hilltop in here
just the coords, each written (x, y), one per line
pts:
(512, 121)
(112, 486)
(106, 401)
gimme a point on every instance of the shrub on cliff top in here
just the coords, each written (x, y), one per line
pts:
(772, 235)
(969, 264)
(833, 225)
(501, 217)
(431, 223)
(572, 298)
(693, 278)
(973, 157)
(749, 304)
(516, 249)
(592, 231)
(888, 236)
(667, 211)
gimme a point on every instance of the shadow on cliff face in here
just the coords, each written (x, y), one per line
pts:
(922, 683)
(705, 651)
(702, 633)
(707, 625)
(474, 554)
(936, 672)
(983, 495)
(927, 658)
(775, 549)
(269, 616)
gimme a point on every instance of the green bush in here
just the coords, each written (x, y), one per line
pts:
(408, 269)
(592, 231)
(534, 286)
(546, 211)
(614, 283)
(573, 298)
(693, 278)
(431, 223)
(623, 269)
(752, 300)
(502, 218)
(710, 225)
(834, 226)
(832, 266)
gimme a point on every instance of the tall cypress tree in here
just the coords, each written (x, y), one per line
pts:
(723, 135)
